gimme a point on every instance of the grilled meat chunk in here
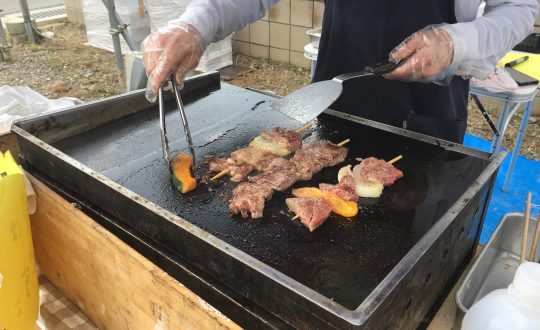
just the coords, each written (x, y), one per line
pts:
(345, 189)
(313, 211)
(377, 170)
(259, 159)
(218, 164)
(240, 172)
(248, 198)
(280, 175)
(279, 141)
(316, 156)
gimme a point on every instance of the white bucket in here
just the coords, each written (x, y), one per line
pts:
(310, 52)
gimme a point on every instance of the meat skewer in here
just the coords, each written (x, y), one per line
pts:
(371, 175)
(278, 141)
(249, 197)
(313, 211)
(344, 191)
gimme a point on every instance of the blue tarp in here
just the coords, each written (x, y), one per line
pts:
(526, 178)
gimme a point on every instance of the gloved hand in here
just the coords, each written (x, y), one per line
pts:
(175, 49)
(426, 56)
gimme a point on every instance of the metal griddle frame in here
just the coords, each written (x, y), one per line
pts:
(216, 270)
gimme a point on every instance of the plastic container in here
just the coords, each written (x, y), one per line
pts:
(517, 307)
(311, 53)
(19, 296)
(315, 36)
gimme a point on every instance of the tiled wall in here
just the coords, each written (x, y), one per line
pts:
(281, 34)
(74, 11)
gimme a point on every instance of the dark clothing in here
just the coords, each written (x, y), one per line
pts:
(357, 33)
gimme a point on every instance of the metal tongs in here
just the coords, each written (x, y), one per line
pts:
(163, 128)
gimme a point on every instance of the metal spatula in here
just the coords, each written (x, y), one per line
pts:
(310, 101)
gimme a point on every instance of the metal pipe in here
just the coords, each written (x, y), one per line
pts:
(2, 34)
(517, 146)
(3, 42)
(116, 43)
(27, 21)
(118, 23)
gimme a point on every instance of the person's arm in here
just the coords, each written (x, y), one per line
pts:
(481, 43)
(216, 19)
(176, 48)
(467, 49)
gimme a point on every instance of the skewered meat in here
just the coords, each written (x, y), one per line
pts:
(345, 189)
(313, 211)
(258, 158)
(377, 170)
(316, 156)
(242, 162)
(282, 173)
(279, 179)
(238, 171)
(249, 197)
(260, 153)
(218, 164)
(278, 141)
(362, 187)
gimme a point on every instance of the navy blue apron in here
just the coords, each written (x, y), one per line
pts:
(357, 33)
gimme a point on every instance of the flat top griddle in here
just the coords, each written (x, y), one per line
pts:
(345, 259)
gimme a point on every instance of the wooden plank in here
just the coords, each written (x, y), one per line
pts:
(9, 142)
(113, 284)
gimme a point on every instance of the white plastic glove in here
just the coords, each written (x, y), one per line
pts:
(426, 56)
(175, 49)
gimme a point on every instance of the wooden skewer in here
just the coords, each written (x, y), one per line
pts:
(525, 229)
(304, 128)
(342, 143)
(395, 159)
(220, 174)
(296, 217)
(535, 240)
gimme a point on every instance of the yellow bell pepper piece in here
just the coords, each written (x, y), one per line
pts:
(342, 207)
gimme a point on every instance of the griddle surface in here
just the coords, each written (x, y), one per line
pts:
(345, 259)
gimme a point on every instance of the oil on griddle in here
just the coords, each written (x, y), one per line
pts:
(344, 259)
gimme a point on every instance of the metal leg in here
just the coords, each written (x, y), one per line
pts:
(27, 21)
(497, 140)
(517, 146)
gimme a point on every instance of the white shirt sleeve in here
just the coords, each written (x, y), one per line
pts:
(482, 42)
(216, 19)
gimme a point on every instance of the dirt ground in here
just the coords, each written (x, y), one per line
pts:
(66, 66)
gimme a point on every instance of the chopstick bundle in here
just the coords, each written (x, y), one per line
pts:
(532, 254)
(525, 228)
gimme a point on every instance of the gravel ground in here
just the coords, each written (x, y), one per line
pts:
(62, 66)
(66, 66)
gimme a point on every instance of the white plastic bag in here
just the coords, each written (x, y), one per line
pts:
(21, 101)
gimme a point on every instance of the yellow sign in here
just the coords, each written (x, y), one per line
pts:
(19, 295)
